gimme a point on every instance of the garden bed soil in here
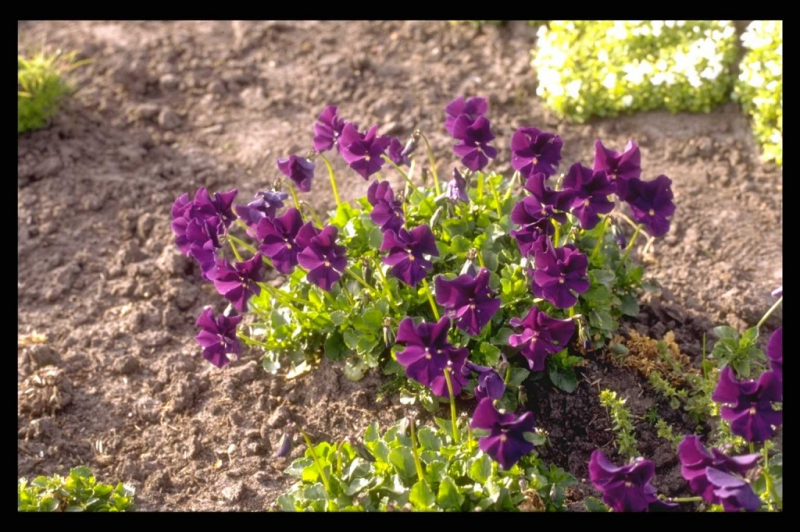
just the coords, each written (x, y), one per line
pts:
(109, 373)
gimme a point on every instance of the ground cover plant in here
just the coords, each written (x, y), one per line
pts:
(77, 492)
(604, 68)
(41, 86)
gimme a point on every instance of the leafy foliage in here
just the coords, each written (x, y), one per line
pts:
(78, 492)
(40, 87)
(620, 422)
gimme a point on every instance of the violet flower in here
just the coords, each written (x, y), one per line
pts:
(591, 190)
(560, 200)
(506, 443)
(327, 129)
(475, 136)
(718, 478)
(299, 169)
(457, 188)
(541, 336)
(534, 151)
(428, 353)
(323, 258)
(363, 151)
(620, 167)
(626, 488)
(218, 337)
(490, 383)
(778, 292)
(202, 208)
(534, 219)
(396, 153)
(469, 299)
(651, 203)
(559, 272)
(277, 238)
(751, 415)
(265, 205)
(775, 353)
(202, 236)
(387, 212)
(237, 283)
(473, 108)
(407, 250)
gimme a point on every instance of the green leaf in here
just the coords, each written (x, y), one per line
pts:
(502, 336)
(357, 485)
(481, 469)
(629, 305)
(724, 332)
(421, 496)
(459, 245)
(337, 317)
(651, 285)
(372, 433)
(351, 338)
(373, 319)
(449, 498)
(403, 461)
(334, 346)
(564, 378)
(354, 369)
(518, 375)
(490, 353)
(604, 277)
(375, 237)
(428, 439)
(594, 504)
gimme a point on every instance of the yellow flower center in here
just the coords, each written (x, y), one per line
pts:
(753, 411)
(366, 158)
(411, 257)
(586, 203)
(628, 484)
(651, 212)
(327, 264)
(428, 356)
(472, 307)
(288, 246)
(503, 437)
(561, 281)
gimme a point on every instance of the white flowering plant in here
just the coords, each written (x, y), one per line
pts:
(603, 68)
(760, 85)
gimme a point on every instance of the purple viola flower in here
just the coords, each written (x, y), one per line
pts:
(327, 129)
(475, 136)
(406, 253)
(457, 188)
(620, 167)
(534, 219)
(751, 415)
(387, 212)
(506, 442)
(278, 239)
(490, 383)
(473, 108)
(203, 238)
(469, 299)
(626, 488)
(428, 353)
(558, 273)
(534, 151)
(265, 205)
(298, 169)
(718, 478)
(651, 203)
(559, 200)
(363, 152)
(775, 352)
(541, 336)
(591, 190)
(202, 208)
(218, 337)
(396, 153)
(237, 283)
(180, 222)
(778, 292)
(323, 257)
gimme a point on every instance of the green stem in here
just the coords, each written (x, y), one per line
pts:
(432, 163)
(294, 196)
(557, 236)
(316, 460)
(630, 247)
(314, 215)
(752, 448)
(242, 243)
(414, 450)
(769, 312)
(480, 186)
(283, 295)
(508, 374)
(408, 180)
(348, 296)
(770, 485)
(469, 436)
(496, 200)
(358, 278)
(511, 184)
(686, 499)
(249, 339)
(387, 289)
(599, 244)
(430, 298)
(339, 457)
(333, 179)
(235, 251)
(452, 404)
(703, 363)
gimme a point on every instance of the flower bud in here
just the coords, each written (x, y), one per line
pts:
(388, 332)
(619, 236)
(411, 144)
(436, 216)
(284, 445)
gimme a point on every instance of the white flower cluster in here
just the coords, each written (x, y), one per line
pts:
(587, 68)
(760, 85)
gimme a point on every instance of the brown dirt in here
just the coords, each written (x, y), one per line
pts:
(167, 107)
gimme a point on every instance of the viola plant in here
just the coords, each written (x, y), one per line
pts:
(77, 492)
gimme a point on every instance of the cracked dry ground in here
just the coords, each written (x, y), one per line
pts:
(164, 108)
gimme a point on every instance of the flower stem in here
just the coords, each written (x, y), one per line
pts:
(557, 236)
(686, 499)
(339, 458)
(479, 187)
(630, 247)
(752, 448)
(294, 196)
(242, 243)
(452, 404)
(249, 339)
(769, 312)
(316, 460)
(408, 180)
(703, 363)
(314, 215)
(496, 200)
(511, 184)
(432, 163)
(333, 179)
(235, 251)
(770, 485)
(384, 281)
(508, 375)
(358, 278)
(414, 450)
(347, 295)
(430, 298)
(599, 244)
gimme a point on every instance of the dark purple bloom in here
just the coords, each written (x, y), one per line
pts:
(277, 238)
(775, 352)
(327, 129)
(363, 152)
(427, 354)
(534, 219)
(591, 190)
(406, 253)
(619, 236)
(457, 188)
(534, 151)
(284, 445)
(469, 299)
(387, 212)
(718, 478)
(180, 222)
(559, 272)
(202, 208)
(541, 336)
(559, 200)
(298, 169)
(322, 257)
(396, 153)
(626, 488)
(475, 136)
(203, 238)
(237, 283)
(651, 203)
(751, 416)
(473, 108)
(620, 167)
(778, 292)
(506, 442)
(265, 205)
(218, 337)
(490, 384)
